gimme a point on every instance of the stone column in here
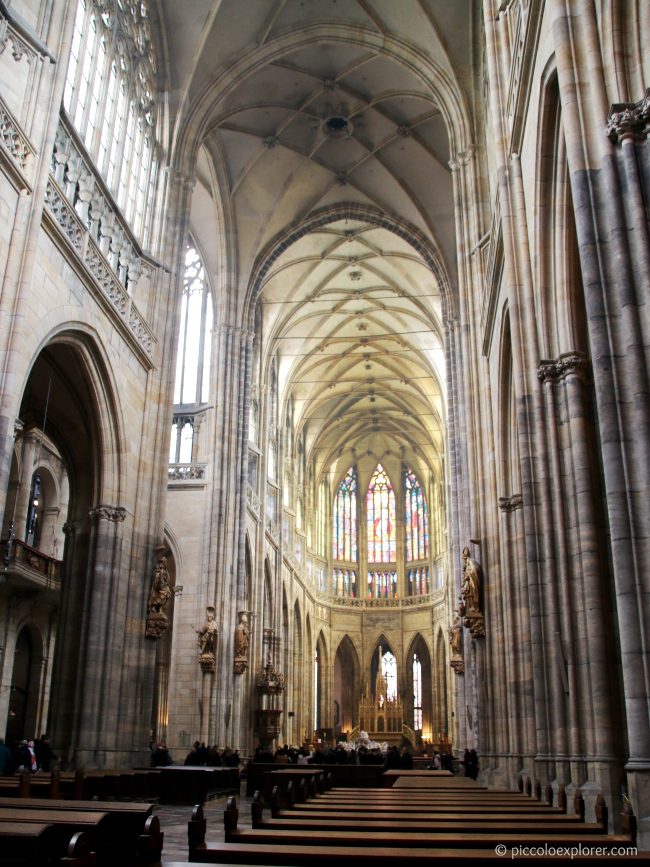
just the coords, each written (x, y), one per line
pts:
(97, 717)
(611, 263)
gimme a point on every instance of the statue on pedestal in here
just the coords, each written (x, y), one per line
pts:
(242, 640)
(159, 596)
(207, 640)
(455, 641)
(470, 591)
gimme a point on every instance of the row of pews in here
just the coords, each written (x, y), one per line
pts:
(97, 818)
(416, 817)
(44, 831)
(172, 785)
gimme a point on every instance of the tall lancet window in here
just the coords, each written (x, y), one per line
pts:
(417, 536)
(344, 536)
(417, 694)
(389, 673)
(417, 519)
(192, 386)
(381, 518)
(345, 519)
(111, 97)
(194, 346)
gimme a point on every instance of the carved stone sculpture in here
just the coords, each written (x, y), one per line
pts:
(207, 640)
(470, 591)
(455, 639)
(159, 596)
(242, 640)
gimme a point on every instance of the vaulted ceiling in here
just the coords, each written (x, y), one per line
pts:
(304, 107)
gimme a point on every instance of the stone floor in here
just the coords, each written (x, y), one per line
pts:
(174, 819)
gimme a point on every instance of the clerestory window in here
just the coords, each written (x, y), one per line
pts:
(110, 97)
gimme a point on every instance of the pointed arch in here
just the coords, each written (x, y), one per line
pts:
(347, 685)
(381, 518)
(441, 727)
(418, 688)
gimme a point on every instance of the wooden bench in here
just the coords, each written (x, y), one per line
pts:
(119, 832)
(470, 834)
(128, 819)
(32, 844)
(64, 825)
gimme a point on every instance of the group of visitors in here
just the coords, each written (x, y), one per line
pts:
(199, 756)
(33, 755)
(338, 755)
(213, 757)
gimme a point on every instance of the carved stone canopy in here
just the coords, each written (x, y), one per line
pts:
(268, 680)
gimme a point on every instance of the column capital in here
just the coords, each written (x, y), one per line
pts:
(567, 364)
(628, 120)
(114, 514)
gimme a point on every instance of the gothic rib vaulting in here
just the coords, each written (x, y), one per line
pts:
(323, 333)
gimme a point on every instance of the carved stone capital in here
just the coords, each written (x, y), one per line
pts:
(567, 364)
(71, 527)
(207, 662)
(475, 622)
(114, 514)
(458, 664)
(240, 665)
(157, 623)
(511, 504)
(628, 119)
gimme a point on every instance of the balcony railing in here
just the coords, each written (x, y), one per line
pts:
(28, 567)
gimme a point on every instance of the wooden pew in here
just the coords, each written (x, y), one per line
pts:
(128, 819)
(369, 849)
(126, 833)
(64, 825)
(332, 832)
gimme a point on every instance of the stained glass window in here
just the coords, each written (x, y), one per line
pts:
(417, 693)
(344, 582)
(381, 518)
(417, 519)
(344, 536)
(389, 672)
(382, 585)
(419, 581)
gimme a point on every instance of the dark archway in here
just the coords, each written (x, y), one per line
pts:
(347, 686)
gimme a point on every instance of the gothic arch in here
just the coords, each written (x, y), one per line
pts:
(347, 686)
(418, 647)
(441, 722)
(70, 392)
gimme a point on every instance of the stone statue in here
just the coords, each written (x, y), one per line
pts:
(471, 586)
(207, 640)
(159, 596)
(455, 634)
(470, 596)
(242, 640)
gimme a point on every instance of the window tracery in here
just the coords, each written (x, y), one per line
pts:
(380, 504)
(110, 96)
(345, 518)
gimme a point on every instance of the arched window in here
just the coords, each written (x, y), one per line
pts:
(110, 96)
(381, 518)
(417, 693)
(417, 519)
(321, 519)
(194, 346)
(344, 530)
(389, 673)
(192, 386)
